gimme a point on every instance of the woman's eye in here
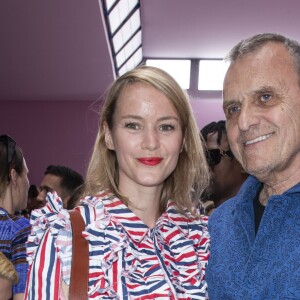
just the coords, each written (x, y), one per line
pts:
(265, 97)
(132, 125)
(166, 127)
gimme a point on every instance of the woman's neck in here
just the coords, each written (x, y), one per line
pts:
(149, 216)
(6, 201)
(144, 203)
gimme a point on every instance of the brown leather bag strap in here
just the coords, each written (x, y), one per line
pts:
(80, 259)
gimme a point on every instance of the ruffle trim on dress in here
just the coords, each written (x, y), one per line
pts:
(106, 240)
(179, 251)
(176, 241)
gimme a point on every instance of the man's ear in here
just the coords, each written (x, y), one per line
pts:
(108, 138)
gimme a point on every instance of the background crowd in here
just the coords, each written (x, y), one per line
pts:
(154, 182)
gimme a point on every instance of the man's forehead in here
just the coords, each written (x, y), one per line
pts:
(51, 181)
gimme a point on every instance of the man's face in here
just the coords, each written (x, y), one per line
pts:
(226, 174)
(51, 183)
(262, 107)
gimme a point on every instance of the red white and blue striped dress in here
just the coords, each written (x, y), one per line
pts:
(128, 260)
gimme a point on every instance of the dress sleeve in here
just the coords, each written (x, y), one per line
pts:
(46, 250)
(202, 243)
(18, 252)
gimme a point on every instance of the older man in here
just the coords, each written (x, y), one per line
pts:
(255, 236)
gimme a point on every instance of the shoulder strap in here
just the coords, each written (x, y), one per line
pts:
(80, 259)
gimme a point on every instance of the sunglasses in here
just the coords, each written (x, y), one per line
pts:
(213, 156)
(10, 145)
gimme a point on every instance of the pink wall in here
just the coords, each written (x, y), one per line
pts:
(50, 132)
(207, 111)
(63, 132)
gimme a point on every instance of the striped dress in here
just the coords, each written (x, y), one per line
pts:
(14, 232)
(128, 260)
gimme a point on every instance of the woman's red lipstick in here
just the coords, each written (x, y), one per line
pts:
(150, 161)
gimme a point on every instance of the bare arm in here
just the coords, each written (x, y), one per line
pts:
(65, 289)
(19, 296)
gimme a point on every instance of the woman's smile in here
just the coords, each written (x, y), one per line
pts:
(150, 161)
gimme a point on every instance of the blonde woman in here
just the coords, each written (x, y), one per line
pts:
(145, 238)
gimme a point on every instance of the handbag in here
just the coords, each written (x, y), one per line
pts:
(78, 289)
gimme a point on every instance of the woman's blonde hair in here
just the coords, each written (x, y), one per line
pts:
(7, 269)
(191, 170)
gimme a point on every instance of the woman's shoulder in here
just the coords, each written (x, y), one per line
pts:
(185, 230)
(54, 216)
(51, 218)
(56, 219)
(191, 225)
(21, 229)
(21, 222)
(92, 207)
(13, 224)
(186, 217)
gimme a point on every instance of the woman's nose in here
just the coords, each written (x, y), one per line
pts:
(150, 140)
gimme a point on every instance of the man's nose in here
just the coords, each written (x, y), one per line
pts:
(248, 117)
(41, 196)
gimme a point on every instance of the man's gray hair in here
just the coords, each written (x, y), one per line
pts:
(255, 42)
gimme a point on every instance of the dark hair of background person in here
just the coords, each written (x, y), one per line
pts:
(70, 179)
(220, 127)
(227, 175)
(214, 127)
(33, 191)
(16, 163)
(32, 202)
(75, 197)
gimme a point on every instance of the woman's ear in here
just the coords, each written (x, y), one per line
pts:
(108, 138)
(13, 176)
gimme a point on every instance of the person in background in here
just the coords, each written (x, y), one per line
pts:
(8, 277)
(61, 179)
(146, 240)
(74, 199)
(14, 230)
(33, 202)
(227, 174)
(255, 236)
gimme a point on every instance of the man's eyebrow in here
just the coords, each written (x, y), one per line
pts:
(263, 89)
(45, 187)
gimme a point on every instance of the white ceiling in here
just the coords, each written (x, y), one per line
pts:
(57, 49)
(209, 28)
